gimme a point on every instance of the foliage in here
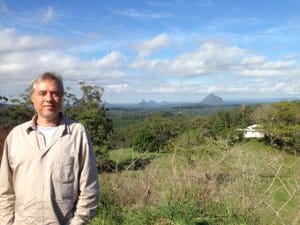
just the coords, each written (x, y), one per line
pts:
(89, 110)
(182, 210)
(3, 100)
(15, 110)
(222, 123)
(202, 172)
(145, 141)
(3, 134)
(241, 181)
(156, 131)
(228, 187)
(282, 121)
(235, 136)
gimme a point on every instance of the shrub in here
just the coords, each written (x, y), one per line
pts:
(145, 141)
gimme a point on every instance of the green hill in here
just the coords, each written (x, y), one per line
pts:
(250, 183)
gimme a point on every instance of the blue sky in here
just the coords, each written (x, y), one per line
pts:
(165, 50)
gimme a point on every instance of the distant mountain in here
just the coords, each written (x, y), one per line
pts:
(147, 104)
(143, 104)
(212, 99)
(209, 101)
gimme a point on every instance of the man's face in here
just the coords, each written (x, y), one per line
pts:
(47, 100)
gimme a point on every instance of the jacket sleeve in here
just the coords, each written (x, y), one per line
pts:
(7, 195)
(88, 185)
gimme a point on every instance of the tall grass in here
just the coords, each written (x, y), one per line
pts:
(249, 184)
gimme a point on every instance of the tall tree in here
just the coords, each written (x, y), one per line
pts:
(90, 111)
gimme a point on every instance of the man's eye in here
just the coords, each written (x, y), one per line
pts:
(55, 94)
(42, 93)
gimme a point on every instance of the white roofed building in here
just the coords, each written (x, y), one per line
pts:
(254, 131)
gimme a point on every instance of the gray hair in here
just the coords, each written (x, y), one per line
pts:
(47, 76)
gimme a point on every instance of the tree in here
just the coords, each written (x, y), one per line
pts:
(156, 131)
(15, 110)
(145, 141)
(89, 110)
(3, 100)
(281, 121)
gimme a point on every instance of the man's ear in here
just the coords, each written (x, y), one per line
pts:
(31, 99)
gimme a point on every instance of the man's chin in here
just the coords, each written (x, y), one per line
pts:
(50, 116)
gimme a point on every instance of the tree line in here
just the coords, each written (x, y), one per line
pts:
(154, 131)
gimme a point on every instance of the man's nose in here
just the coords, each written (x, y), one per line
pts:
(48, 96)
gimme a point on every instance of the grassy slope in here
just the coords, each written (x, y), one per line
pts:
(248, 184)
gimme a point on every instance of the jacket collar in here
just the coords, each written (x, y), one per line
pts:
(32, 125)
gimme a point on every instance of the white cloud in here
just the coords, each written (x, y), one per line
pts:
(12, 42)
(253, 60)
(147, 47)
(210, 57)
(216, 58)
(22, 57)
(259, 66)
(25, 65)
(180, 54)
(117, 88)
(111, 60)
(208, 68)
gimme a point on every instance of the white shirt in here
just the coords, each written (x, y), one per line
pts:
(47, 133)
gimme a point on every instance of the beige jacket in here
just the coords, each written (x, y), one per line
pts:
(57, 185)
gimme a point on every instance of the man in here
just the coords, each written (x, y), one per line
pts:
(48, 171)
